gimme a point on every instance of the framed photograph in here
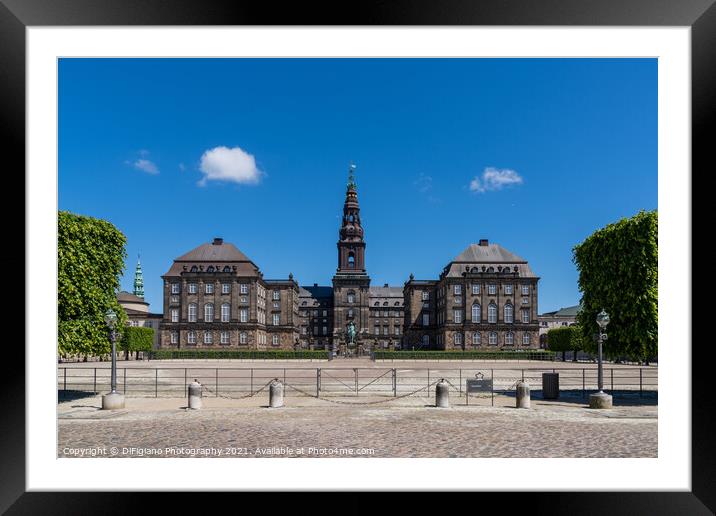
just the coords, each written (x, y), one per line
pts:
(498, 177)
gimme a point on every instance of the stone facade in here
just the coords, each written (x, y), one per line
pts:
(216, 297)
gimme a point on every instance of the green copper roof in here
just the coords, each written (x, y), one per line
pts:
(138, 280)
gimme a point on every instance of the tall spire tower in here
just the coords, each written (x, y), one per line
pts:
(138, 280)
(351, 246)
(351, 283)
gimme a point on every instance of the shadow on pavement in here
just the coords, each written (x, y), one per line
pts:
(74, 395)
(577, 396)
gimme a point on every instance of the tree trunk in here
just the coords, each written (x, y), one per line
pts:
(564, 356)
(574, 359)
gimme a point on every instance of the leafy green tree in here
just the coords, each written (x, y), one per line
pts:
(136, 338)
(618, 272)
(567, 338)
(91, 257)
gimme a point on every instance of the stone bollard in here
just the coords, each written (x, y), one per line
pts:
(194, 395)
(523, 395)
(441, 394)
(276, 394)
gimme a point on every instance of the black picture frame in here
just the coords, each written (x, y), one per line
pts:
(700, 15)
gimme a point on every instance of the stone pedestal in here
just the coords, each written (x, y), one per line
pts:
(600, 400)
(113, 401)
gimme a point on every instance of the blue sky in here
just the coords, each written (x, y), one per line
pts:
(533, 154)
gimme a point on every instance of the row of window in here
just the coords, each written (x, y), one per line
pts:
(192, 288)
(476, 289)
(477, 315)
(225, 314)
(476, 337)
(208, 338)
(386, 330)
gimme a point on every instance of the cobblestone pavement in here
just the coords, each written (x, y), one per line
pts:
(308, 427)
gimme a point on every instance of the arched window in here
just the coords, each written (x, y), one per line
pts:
(191, 315)
(351, 260)
(509, 338)
(210, 268)
(509, 313)
(227, 269)
(209, 312)
(493, 338)
(397, 303)
(350, 313)
(195, 269)
(351, 297)
(225, 312)
(385, 303)
(376, 303)
(476, 313)
(492, 313)
(476, 339)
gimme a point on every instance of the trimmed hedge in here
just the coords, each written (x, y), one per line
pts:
(137, 338)
(188, 354)
(465, 355)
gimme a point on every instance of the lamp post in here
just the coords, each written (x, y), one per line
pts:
(601, 399)
(113, 400)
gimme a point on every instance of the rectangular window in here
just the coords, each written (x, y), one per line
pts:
(457, 316)
(491, 289)
(315, 330)
(225, 312)
(525, 300)
(525, 316)
(525, 339)
(175, 315)
(493, 339)
(243, 288)
(525, 290)
(325, 313)
(174, 299)
(457, 289)
(508, 289)
(191, 337)
(175, 288)
(224, 337)
(397, 330)
(458, 339)
(376, 330)
(174, 337)
(325, 330)
(243, 338)
(274, 340)
(243, 315)
(209, 288)
(192, 313)
(386, 330)
(208, 337)
(276, 319)
(426, 295)
(426, 319)
(475, 289)
(226, 288)
(192, 288)
(276, 294)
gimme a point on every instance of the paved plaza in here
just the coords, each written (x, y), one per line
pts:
(360, 426)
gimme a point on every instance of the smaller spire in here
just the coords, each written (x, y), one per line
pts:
(138, 280)
(351, 177)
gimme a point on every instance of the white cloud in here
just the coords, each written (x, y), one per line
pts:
(146, 166)
(224, 164)
(424, 183)
(495, 179)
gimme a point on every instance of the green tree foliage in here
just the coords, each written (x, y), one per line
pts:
(136, 338)
(567, 338)
(618, 270)
(91, 257)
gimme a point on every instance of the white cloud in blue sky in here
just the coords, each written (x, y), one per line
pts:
(495, 179)
(229, 164)
(146, 165)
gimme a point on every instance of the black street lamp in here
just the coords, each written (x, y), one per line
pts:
(113, 400)
(601, 399)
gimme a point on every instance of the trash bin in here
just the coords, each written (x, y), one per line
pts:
(550, 386)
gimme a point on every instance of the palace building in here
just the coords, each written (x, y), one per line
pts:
(216, 297)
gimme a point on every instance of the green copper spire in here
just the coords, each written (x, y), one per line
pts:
(138, 280)
(351, 177)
